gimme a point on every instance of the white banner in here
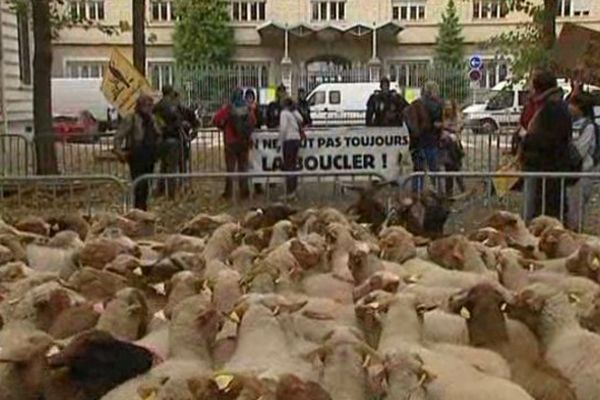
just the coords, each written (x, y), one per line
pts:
(344, 149)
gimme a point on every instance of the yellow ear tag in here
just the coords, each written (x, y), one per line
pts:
(573, 298)
(503, 307)
(223, 381)
(138, 271)
(412, 279)
(465, 313)
(234, 317)
(151, 396)
(53, 351)
(366, 361)
(595, 264)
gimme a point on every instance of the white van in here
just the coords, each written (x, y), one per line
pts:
(341, 103)
(71, 97)
(504, 107)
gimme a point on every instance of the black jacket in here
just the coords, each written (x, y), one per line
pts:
(273, 112)
(385, 109)
(544, 148)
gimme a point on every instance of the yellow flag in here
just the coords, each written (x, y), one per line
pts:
(122, 83)
(503, 185)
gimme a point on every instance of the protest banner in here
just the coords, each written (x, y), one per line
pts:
(122, 83)
(382, 151)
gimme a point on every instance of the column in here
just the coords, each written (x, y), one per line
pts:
(286, 61)
(375, 62)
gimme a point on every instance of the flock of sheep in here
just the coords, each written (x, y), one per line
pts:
(296, 305)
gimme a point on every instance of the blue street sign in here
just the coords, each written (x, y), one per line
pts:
(475, 62)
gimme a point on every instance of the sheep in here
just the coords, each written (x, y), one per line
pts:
(559, 243)
(343, 372)
(98, 252)
(35, 225)
(268, 216)
(224, 240)
(177, 243)
(281, 233)
(182, 285)
(75, 320)
(397, 245)
(458, 253)
(142, 226)
(567, 347)
(488, 328)
(489, 237)
(69, 222)
(126, 317)
(539, 225)
(205, 225)
(96, 285)
(226, 290)
(514, 229)
(243, 257)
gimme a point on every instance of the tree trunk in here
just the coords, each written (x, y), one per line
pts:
(139, 35)
(42, 89)
(549, 23)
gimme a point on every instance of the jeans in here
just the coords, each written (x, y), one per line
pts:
(170, 163)
(579, 195)
(424, 158)
(141, 162)
(236, 159)
(291, 148)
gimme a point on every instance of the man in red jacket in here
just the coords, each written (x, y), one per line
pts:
(236, 122)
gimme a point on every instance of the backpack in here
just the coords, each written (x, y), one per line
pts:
(240, 119)
(596, 152)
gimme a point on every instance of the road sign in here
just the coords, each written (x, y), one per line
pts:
(475, 75)
(475, 62)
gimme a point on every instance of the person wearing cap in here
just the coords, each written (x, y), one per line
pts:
(137, 142)
(274, 108)
(385, 107)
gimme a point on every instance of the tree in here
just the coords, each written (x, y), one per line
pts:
(449, 44)
(139, 35)
(49, 17)
(449, 68)
(203, 34)
(530, 44)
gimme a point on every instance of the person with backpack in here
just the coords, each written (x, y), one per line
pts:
(275, 107)
(586, 140)
(237, 123)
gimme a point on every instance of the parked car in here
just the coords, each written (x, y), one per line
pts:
(504, 106)
(76, 128)
(341, 103)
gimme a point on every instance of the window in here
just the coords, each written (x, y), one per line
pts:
(317, 98)
(523, 97)
(501, 100)
(85, 69)
(248, 11)
(161, 74)
(162, 10)
(493, 72)
(573, 8)
(328, 10)
(87, 9)
(24, 48)
(335, 97)
(408, 10)
(489, 9)
(409, 73)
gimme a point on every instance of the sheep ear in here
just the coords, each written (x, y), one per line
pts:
(377, 378)
(318, 355)
(423, 308)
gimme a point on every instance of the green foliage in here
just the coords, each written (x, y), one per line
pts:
(449, 44)
(202, 33)
(528, 44)
(450, 70)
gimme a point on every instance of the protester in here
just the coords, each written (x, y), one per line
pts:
(425, 152)
(237, 123)
(290, 135)
(274, 108)
(250, 98)
(451, 150)
(385, 107)
(304, 107)
(137, 142)
(585, 139)
(544, 147)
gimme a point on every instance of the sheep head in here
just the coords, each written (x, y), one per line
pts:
(529, 304)
(290, 387)
(482, 306)
(586, 262)
(490, 237)
(558, 243)
(541, 224)
(401, 372)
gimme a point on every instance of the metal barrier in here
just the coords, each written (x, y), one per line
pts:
(559, 194)
(26, 195)
(186, 195)
(16, 155)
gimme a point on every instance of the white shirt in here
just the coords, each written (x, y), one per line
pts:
(584, 139)
(290, 123)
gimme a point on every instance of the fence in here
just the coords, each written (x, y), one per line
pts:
(195, 193)
(84, 154)
(43, 195)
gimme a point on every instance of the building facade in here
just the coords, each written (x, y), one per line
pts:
(303, 42)
(16, 73)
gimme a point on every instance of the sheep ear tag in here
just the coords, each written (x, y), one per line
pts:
(465, 313)
(223, 380)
